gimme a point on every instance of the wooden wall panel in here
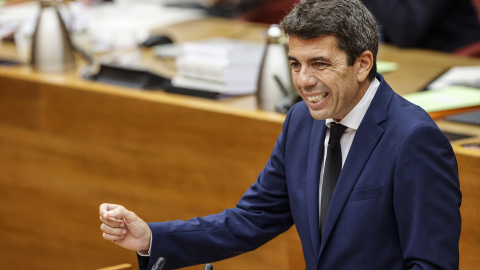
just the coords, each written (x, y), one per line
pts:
(469, 171)
(22, 105)
(73, 149)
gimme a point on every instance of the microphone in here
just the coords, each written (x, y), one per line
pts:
(208, 267)
(159, 264)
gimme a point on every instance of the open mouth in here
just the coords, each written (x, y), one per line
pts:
(317, 98)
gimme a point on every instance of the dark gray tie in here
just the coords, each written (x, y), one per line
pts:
(333, 167)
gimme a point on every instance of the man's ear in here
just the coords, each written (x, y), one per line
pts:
(364, 64)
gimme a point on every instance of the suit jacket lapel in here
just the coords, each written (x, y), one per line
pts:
(315, 157)
(366, 138)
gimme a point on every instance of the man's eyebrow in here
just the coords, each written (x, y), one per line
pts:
(314, 59)
(291, 58)
(319, 58)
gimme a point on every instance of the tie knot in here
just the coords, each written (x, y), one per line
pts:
(336, 131)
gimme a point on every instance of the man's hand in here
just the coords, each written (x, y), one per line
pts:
(124, 227)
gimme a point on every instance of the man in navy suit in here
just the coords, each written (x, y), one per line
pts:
(396, 202)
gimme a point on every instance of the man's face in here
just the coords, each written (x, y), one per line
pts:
(322, 77)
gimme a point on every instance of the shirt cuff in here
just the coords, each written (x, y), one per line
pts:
(145, 253)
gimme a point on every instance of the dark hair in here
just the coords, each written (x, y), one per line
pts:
(348, 20)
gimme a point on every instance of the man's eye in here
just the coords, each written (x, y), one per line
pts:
(319, 64)
(295, 65)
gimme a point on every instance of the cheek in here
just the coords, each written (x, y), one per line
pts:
(341, 87)
(295, 80)
(341, 93)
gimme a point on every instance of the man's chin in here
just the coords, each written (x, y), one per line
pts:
(319, 115)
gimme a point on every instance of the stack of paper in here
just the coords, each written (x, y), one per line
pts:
(459, 76)
(220, 65)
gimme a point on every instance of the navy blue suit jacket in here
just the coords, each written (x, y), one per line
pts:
(396, 204)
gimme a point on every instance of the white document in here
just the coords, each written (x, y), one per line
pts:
(458, 76)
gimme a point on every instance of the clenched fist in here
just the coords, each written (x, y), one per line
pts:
(124, 227)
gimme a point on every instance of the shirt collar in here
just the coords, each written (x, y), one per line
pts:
(355, 116)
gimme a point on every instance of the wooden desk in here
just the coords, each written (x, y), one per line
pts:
(124, 266)
(67, 145)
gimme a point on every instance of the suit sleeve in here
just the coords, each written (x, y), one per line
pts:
(405, 22)
(261, 214)
(427, 199)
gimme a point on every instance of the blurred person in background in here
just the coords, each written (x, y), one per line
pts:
(442, 25)
(261, 11)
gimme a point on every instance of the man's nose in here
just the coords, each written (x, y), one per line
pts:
(306, 79)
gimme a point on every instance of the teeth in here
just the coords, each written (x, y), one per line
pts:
(317, 98)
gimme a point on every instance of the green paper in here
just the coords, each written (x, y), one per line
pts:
(452, 97)
(384, 66)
